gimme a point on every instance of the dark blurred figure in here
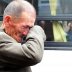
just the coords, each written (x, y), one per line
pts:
(48, 28)
(42, 23)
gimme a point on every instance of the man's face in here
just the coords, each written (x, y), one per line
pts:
(23, 24)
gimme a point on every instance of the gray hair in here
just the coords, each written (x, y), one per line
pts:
(16, 7)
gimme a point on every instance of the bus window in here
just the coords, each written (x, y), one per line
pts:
(57, 31)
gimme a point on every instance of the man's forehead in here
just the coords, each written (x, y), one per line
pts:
(27, 15)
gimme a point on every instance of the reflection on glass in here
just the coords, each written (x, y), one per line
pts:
(57, 31)
(53, 7)
(62, 7)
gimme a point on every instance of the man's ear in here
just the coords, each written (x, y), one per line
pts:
(7, 20)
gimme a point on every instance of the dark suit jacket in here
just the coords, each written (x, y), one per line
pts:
(17, 57)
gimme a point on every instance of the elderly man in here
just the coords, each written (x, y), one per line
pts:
(17, 55)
